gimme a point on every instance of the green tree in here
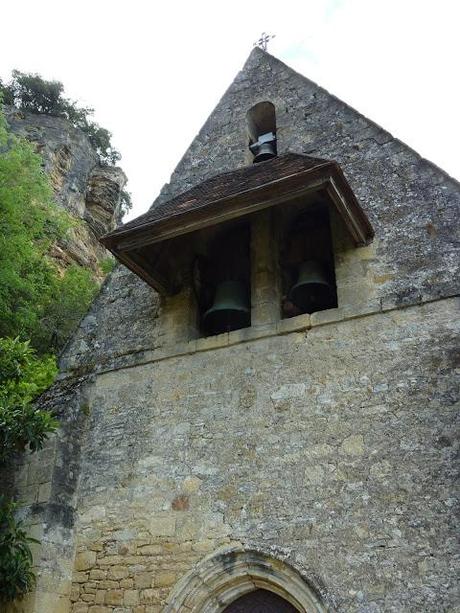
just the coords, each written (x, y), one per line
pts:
(36, 302)
(72, 294)
(30, 92)
(23, 376)
(29, 224)
(126, 202)
(16, 574)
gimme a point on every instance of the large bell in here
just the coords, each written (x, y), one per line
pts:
(312, 292)
(230, 310)
(264, 148)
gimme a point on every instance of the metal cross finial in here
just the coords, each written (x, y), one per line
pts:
(264, 40)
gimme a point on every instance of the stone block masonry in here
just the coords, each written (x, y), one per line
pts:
(324, 442)
(343, 467)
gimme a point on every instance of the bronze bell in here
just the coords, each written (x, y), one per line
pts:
(312, 292)
(264, 148)
(230, 310)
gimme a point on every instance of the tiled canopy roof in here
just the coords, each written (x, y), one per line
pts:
(225, 186)
(139, 243)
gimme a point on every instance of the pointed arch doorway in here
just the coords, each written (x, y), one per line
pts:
(235, 580)
(260, 601)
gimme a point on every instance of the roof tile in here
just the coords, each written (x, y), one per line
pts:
(225, 185)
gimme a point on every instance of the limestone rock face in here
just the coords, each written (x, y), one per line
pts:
(88, 191)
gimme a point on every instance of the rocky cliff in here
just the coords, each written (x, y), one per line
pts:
(91, 193)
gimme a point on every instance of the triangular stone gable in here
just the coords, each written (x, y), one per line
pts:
(310, 120)
(411, 204)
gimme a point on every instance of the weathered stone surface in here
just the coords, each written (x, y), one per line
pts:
(130, 310)
(328, 445)
(397, 189)
(85, 560)
(351, 465)
(143, 580)
(131, 598)
(114, 597)
(117, 572)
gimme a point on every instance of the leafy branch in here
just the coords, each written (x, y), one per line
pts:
(23, 376)
(16, 574)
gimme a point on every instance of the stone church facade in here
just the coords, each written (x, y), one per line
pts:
(303, 460)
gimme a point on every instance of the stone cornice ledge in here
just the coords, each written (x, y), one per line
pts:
(301, 323)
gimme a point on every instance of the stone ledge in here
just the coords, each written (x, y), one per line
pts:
(301, 323)
(294, 324)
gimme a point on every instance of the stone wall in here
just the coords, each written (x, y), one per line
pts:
(412, 204)
(332, 446)
(325, 441)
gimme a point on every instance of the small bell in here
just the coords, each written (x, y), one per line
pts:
(230, 310)
(312, 292)
(264, 148)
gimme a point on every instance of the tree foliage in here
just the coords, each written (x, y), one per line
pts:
(16, 574)
(30, 92)
(125, 201)
(36, 301)
(29, 224)
(72, 294)
(23, 376)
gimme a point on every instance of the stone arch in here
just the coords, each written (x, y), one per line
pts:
(226, 575)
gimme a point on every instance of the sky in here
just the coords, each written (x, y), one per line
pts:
(154, 70)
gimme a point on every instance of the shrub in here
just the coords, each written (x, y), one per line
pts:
(107, 265)
(23, 376)
(29, 224)
(72, 294)
(37, 302)
(16, 574)
(126, 202)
